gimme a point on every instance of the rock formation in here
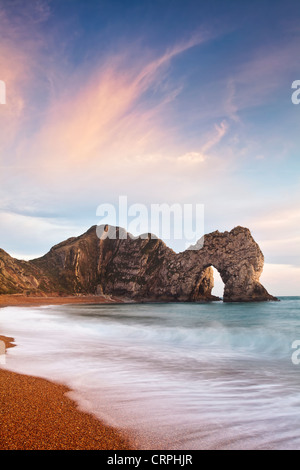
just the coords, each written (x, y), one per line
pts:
(141, 268)
(18, 276)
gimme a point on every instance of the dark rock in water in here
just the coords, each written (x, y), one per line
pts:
(141, 268)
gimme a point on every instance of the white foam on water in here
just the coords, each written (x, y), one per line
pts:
(176, 376)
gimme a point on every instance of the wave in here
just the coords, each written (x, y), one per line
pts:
(180, 375)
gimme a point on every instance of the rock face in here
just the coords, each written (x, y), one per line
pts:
(142, 269)
(18, 276)
(239, 261)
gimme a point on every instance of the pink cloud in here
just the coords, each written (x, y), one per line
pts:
(20, 59)
(100, 120)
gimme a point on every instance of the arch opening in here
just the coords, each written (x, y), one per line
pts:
(218, 289)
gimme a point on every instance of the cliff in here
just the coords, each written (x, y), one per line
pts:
(141, 269)
(18, 276)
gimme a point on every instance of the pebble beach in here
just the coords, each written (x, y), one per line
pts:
(36, 414)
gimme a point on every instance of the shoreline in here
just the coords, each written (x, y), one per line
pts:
(19, 300)
(36, 414)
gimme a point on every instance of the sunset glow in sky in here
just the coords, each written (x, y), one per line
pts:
(163, 101)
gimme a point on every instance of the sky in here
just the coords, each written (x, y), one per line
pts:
(165, 102)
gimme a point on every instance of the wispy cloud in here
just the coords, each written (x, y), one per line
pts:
(258, 78)
(91, 115)
(105, 119)
(21, 60)
(38, 233)
(194, 157)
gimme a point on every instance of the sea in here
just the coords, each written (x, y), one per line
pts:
(173, 376)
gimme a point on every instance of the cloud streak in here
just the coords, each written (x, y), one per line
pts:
(107, 119)
(91, 116)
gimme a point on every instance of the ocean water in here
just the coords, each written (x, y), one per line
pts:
(174, 376)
